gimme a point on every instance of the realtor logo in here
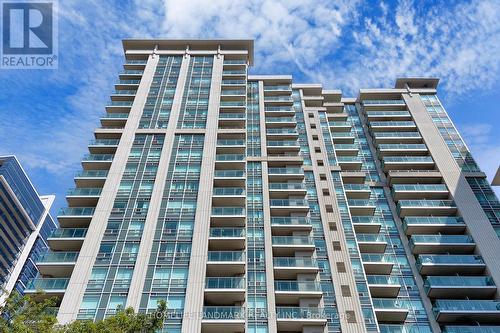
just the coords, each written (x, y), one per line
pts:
(29, 37)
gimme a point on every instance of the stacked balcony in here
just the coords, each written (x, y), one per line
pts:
(232, 104)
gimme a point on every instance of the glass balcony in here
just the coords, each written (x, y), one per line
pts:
(69, 233)
(375, 114)
(285, 171)
(228, 191)
(229, 173)
(432, 224)
(120, 103)
(92, 174)
(408, 146)
(450, 264)
(279, 109)
(441, 239)
(233, 103)
(278, 99)
(361, 206)
(429, 244)
(390, 303)
(395, 124)
(232, 116)
(51, 257)
(292, 240)
(224, 142)
(292, 286)
(397, 135)
(367, 224)
(343, 135)
(235, 62)
(447, 311)
(282, 143)
(280, 119)
(290, 220)
(287, 186)
(226, 256)
(461, 282)
(237, 92)
(84, 192)
(76, 211)
(382, 279)
(419, 187)
(277, 87)
(115, 116)
(227, 232)
(288, 202)
(223, 313)
(234, 72)
(370, 238)
(98, 157)
(47, 284)
(383, 101)
(132, 71)
(225, 283)
(408, 159)
(228, 211)
(234, 82)
(426, 207)
(291, 131)
(294, 262)
(134, 82)
(136, 62)
(104, 142)
(229, 157)
(360, 202)
(346, 146)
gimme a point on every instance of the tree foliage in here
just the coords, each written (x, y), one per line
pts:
(22, 314)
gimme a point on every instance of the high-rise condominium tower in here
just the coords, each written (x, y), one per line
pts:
(25, 224)
(254, 204)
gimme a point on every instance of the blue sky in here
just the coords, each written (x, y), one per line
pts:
(48, 116)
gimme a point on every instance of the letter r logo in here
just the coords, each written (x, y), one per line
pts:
(27, 27)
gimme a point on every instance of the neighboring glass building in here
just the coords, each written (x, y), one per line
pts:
(25, 224)
(254, 204)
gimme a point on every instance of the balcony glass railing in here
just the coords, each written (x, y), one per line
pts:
(120, 103)
(69, 233)
(388, 113)
(383, 101)
(383, 279)
(447, 259)
(136, 62)
(373, 257)
(224, 142)
(223, 313)
(367, 219)
(282, 143)
(345, 146)
(369, 238)
(426, 203)
(125, 92)
(234, 72)
(342, 135)
(227, 232)
(390, 303)
(229, 157)
(442, 239)
(458, 281)
(281, 131)
(235, 62)
(104, 142)
(292, 240)
(297, 286)
(420, 188)
(287, 186)
(278, 109)
(92, 174)
(360, 203)
(58, 257)
(277, 87)
(288, 202)
(226, 115)
(410, 146)
(396, 135)
(233, 103)
(225, 283)
(98, 157)
(76, 211)
(340, 123)
(229, 191)
(470, 329)
(356, 187)
(233, 82)
(280, 119)
(290, 220)
(47, 284)
(294, 262)
(229, 173)
(278, 99)
(430, 220)
(392, 124)
(285, 171)
(84, 192)
(132, 71)
(408, 159)
(300, 313)
(115, 116)
(129, 81)
(237, 92)
(228, 211)
(348, 159)
(466, 305)
(226, 256)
